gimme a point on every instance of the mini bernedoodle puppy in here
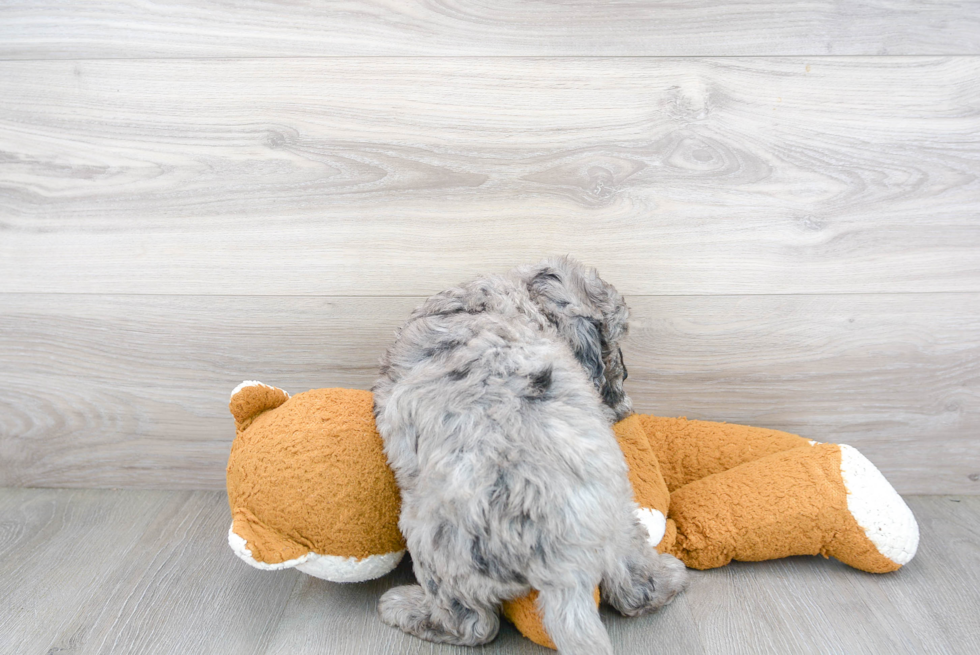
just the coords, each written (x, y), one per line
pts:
(495, 404)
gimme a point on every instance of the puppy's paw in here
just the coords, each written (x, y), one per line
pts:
(404, 608)
(648, 586)
(672, 578)
(408, 609)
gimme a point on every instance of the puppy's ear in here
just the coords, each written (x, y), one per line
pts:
(587, 346)
(553, 295)
(548, 291)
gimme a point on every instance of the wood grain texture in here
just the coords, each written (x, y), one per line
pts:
(131, 391)
(181, 590)
(150, 572)
(323, 617)
(327, 618)
(78, 29)
(897, 376)
(387, 176)
(949, 528)
(56, 548)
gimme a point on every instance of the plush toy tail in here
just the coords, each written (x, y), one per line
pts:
(882, 517)
(251, 398)
(820, 499)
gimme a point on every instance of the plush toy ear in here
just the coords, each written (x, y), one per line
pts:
(251, 398)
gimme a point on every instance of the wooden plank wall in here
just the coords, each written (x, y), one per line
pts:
(190, 198)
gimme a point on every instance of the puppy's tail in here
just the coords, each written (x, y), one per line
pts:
(571, 617)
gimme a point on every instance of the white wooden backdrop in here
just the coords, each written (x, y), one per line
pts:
(192, 194)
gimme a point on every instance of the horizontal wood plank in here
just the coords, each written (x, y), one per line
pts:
(180, 590)
(948, 527)
(80, 29)
(56, 548)
(342, 619)
(131, 391)
(391, 177)
(323, 617)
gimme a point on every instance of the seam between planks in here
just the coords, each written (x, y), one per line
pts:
(949, 55)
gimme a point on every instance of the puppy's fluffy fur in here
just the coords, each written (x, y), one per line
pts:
(495, 404)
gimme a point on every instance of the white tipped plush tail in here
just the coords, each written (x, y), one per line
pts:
(878, 509)
(571, 618)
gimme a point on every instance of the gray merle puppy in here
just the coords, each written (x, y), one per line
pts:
(495, 405)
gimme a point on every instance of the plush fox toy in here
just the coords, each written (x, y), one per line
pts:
(309, 487)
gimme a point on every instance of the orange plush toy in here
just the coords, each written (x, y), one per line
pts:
(309, 487)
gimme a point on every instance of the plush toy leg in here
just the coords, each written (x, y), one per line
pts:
(822, 499)
(649, 488)
(690, 450)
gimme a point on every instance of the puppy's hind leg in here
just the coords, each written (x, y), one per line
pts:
(642, 580)
(442, 620)
(571, 617)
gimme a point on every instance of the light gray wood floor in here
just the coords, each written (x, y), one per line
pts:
(102, 571)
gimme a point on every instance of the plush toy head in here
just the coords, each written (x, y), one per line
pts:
(309, 485)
